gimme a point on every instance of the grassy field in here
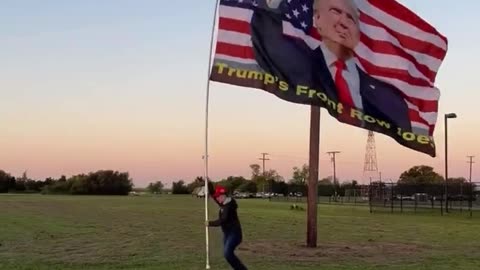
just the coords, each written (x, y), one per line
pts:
(66, 232)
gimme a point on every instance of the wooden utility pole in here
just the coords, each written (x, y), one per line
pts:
(471, 165)
(263, 159)
(313, 176)
(334, 161)
(471, 186)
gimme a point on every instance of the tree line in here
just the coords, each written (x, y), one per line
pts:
(268, 182)
(272, 182)
(108, 182)
(104, 182)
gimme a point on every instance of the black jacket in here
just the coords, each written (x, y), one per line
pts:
(228, 218)
(227, 215)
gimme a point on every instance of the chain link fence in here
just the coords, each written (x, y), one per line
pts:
(393, 197)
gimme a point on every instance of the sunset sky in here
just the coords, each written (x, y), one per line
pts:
(120, 84)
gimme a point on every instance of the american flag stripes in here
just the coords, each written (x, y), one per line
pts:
(396, 46)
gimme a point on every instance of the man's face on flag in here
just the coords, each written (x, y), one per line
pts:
(337, 21)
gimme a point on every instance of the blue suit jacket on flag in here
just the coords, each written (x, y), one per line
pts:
(293, 61)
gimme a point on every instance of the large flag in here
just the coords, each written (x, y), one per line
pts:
(370, 63)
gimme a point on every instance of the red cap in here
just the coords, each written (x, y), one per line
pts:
(219, 190)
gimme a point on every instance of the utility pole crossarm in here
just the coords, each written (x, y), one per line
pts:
(263, 159)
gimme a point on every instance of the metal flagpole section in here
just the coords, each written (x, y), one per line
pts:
(205, 157)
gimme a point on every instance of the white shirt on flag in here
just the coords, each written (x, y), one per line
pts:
(350, 74)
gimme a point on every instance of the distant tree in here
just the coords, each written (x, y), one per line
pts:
(232, 183)
(20, 185)
(327, 188)
(49, 181)
(21, 182)
(280, 188)
(273, 175)
(248, 186)
(420, 175)
(156, 187)
(299, 180)
(79, 185)
(109, 182)
(261, 183)
(33, 186)
(7, 182)
(457, 180)
(236, 182)
(258, 177)
(326, 181)
(25, 184)
(255, 170)
(459, 185)
(105, 182)
(271, 178)
(58, 187)
(300, 175)
(24, 176)
(179, 188)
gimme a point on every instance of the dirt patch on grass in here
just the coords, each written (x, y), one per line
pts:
(371, 252)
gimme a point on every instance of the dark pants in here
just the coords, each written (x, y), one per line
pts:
(230, 243)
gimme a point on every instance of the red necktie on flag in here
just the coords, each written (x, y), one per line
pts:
(344, 95)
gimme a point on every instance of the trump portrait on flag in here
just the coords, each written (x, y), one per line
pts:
(369, 63)
(329, 64)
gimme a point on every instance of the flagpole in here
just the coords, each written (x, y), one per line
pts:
(205, 157)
